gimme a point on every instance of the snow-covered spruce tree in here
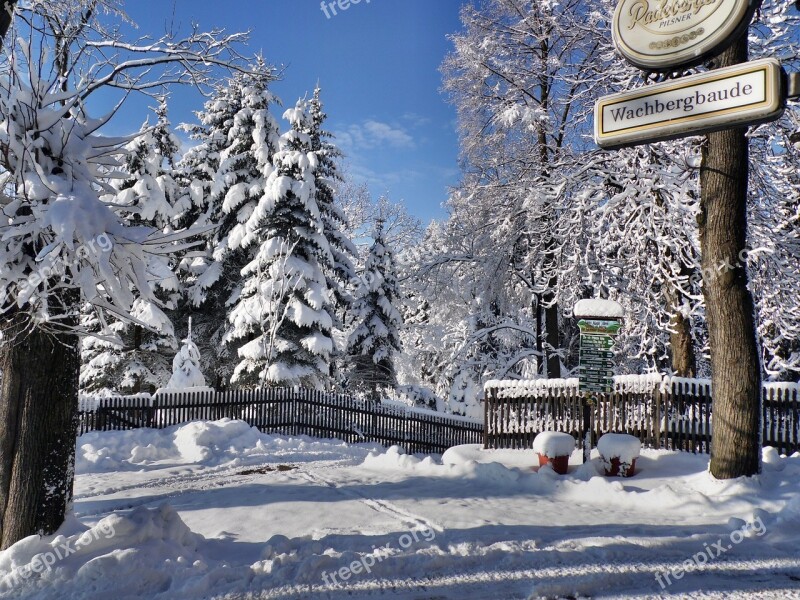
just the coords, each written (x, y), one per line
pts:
(239, 138)
(139, 359)
(186, 371)
(377, 321)
(283, 313)
(332, 215)
(197, 270)
(65, 245)
(342, 272)
(124, 357)
(198, 166)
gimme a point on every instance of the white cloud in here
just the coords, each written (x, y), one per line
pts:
(373, 134)
(416, 120)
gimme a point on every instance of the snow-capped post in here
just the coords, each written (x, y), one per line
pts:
(599, 321)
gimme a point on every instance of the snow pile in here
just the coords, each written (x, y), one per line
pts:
(219, 442)
(143, 553)
(553, 444)
(619, 445)
(460, 455)
(603, 309)
(208, 443)
(395, 459)
(199, 444)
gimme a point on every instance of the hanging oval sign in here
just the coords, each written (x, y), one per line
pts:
(659, 35)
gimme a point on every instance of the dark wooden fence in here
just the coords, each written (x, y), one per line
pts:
(669, 413)
(290, 412)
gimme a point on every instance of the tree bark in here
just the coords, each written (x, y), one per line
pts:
(683, 359)
(6, 16)
(681, 347)
(735, 367)
(38, 427)
(552, 337)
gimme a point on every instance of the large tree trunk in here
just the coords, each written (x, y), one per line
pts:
(736, 373)
(38, 422)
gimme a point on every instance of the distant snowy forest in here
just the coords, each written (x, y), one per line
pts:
(294, 275)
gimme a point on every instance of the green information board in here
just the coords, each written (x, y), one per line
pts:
(596, 361)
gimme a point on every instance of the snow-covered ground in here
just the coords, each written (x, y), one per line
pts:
(219, 510)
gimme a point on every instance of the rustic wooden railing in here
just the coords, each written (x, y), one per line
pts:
(295, 411)
(663, 412)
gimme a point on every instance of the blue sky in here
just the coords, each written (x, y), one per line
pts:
(377, 62)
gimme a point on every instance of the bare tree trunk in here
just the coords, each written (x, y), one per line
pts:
(735, 367)
(38, 427)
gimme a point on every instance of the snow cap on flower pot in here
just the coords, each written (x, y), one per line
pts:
(619, 452)
(554, 448)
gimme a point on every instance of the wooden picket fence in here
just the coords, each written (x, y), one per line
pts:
(663, 412)
(294, 412)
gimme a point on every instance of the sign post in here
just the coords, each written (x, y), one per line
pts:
(667, 36)
(598, 321)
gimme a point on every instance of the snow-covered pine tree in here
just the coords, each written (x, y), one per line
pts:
(341, 273)
(332, 215)
(128, 358)
(377, 321)
(186, 371)
(283, 312)
(238, 139)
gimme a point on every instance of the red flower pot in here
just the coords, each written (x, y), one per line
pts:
(616, 469)
(560, 464)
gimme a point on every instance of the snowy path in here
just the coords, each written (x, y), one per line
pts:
(294, 518)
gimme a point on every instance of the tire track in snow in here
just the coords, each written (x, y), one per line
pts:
(407, 518)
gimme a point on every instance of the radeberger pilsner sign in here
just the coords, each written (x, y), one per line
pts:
(660, 35)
